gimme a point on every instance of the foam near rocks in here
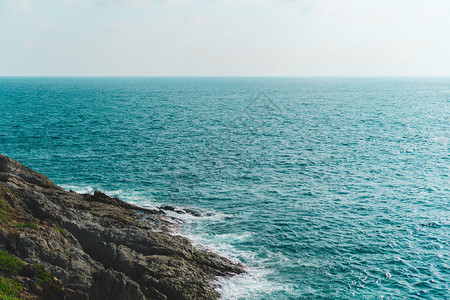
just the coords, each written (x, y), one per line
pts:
(102, 247)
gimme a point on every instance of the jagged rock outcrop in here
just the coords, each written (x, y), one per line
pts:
(98, 247)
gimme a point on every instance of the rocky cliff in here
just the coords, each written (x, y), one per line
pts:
(56, 244)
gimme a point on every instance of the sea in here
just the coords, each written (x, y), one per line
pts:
(324, 188)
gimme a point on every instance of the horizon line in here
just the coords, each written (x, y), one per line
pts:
(227, 76)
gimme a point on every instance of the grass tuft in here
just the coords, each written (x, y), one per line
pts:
(27, 225)
(5, 211)
(10, 265)
(61, 230)
(9, 289)
(42, 274)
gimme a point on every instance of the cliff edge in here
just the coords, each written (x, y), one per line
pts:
(56, 244)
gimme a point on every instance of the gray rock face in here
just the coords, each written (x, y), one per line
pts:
(101, 247)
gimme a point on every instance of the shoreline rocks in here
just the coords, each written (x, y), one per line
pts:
(96, 246)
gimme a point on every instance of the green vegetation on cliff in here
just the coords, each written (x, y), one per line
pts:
(42, 274)
(5, 208)
(44, 224)
(10, 265)
(9, 289)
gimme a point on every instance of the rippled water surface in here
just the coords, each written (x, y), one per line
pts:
(323, 187)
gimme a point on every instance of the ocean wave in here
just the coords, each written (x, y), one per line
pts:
(440, 139)
(190, 223)
(252, 285)
(137, 198)
(78, 189)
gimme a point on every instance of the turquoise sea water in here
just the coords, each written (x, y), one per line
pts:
(323, 187)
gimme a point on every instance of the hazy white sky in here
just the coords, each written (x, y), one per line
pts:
(225, 37)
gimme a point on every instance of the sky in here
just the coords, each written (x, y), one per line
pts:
(224, 38)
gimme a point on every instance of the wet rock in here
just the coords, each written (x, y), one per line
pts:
(167, 207)
(182, 211)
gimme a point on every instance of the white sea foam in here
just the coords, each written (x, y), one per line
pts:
(252, 285)
(187, 217)
(78, 189)
(136, 198)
